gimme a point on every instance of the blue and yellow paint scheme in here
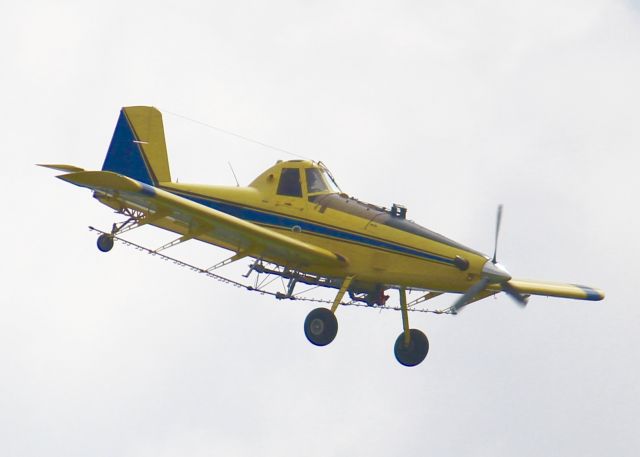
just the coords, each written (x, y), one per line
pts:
(313, 228)
(293, 215)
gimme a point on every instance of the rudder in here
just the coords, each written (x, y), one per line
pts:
(138, 149)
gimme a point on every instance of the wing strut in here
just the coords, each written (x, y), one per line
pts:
(176, 242)
(233, 258)
(423, 298)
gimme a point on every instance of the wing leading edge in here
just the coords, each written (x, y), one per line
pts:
(244, 237)
(551, 289)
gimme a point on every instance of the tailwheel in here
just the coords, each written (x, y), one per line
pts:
(412, 354)
(321, 326)
(105, 242)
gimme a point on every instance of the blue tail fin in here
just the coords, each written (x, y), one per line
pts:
(138, 149)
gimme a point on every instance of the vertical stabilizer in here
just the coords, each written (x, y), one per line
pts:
(138, 149)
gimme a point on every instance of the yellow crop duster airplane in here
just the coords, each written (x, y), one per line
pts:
(296, 223)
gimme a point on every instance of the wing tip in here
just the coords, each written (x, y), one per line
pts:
(61, 167)
(591, 293)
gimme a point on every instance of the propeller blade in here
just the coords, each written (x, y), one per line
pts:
(469, 294)
(514, 293)
(495, 244)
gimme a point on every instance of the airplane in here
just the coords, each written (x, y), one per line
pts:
(295, 217)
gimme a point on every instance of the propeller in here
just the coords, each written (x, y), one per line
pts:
(493, 273)
(468, 296)
(514, 293)
(495, 243)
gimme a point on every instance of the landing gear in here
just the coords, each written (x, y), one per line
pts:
(413, 353)
(321, 326)
(412, 345)
(135, 219)
(105, 242)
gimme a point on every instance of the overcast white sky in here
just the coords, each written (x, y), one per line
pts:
(448, 107)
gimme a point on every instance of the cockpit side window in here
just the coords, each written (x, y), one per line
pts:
(290, 182)
(315, 183)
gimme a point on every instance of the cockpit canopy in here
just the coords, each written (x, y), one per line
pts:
(316, 179)
(297, 178)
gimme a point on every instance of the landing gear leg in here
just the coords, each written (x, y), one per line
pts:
(321, 325)
(135, 219)
(411, 345)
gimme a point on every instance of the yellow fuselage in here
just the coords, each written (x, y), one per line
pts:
(377, 253)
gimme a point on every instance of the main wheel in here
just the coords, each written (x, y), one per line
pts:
(321, 326)
(105, 242)
(415, 352)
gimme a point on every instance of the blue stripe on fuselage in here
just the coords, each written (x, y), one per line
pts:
(286, 222)
(148, 190)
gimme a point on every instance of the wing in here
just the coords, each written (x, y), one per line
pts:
(551, 289)
(204, 222)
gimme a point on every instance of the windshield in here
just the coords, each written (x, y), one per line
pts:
(318, 181)
(333, 186)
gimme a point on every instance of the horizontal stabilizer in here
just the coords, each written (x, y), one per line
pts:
(105, 181)
(61, 167)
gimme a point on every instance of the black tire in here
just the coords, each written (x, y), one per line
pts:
(411, 355)
(321, 326)
(105, 242)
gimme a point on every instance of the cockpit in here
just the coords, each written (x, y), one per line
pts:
(317, 179)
